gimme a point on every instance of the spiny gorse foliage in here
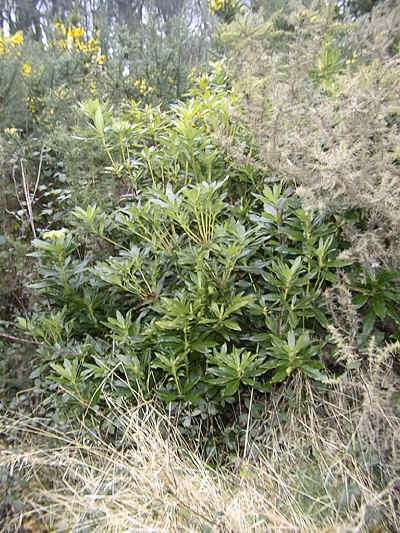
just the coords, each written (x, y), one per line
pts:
(321, 96)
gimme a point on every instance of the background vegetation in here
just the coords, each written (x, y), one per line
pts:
(199, 255)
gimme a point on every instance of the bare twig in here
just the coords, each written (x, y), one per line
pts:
(38, 174)
(246, 442)
(16, 188)
(28, 199)
(18, 339)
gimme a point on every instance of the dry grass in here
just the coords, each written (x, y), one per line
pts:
(153, 483)
(321, 460)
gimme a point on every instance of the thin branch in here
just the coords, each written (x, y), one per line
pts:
(38, 174)
(246, 442)
(16, 188)
(28, 200)
(18, 339)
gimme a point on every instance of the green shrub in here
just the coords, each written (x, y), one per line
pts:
(201, 284)
(204, 267)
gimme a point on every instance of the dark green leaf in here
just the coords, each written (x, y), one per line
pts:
(359, 299)
(368, 322)
(231, 388)
(279, 376)
(379, 307)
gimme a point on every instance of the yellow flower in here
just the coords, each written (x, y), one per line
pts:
(76, 32)
(26, 69)
(93, 44)
(11, 131)
(100, 59)
(17, 38)
(79, 45)
(216, 5)
(57, 24)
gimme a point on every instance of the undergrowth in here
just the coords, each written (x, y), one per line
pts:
(321, 459)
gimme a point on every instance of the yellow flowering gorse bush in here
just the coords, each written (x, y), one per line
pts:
(10, 42)
(73, 40)
(143, 87)
(215, 6)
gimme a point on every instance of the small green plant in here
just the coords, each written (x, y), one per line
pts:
(377, 296)
(294, 353)
(230, 370)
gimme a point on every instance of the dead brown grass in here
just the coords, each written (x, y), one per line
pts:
(323, 459)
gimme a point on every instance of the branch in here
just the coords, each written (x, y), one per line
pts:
(28, 198)
(17, 339)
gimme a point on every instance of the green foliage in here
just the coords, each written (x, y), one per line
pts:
(377, 294)
(187, 251)
(291, 353)
(360, 7)
(200, 284)
(234, 369)
(43, 79)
